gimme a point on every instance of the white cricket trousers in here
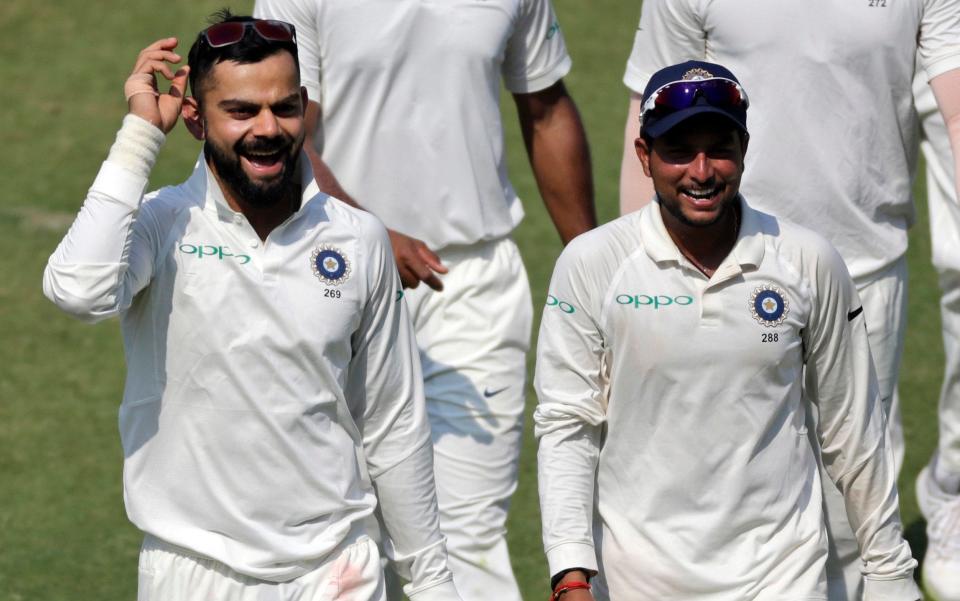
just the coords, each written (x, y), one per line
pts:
(170, 573)
(884, 310)
(473, 339)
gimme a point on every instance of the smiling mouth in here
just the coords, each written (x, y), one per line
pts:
(264, 159)
(265, 164)
(701, 194)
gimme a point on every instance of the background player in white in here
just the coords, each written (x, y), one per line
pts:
(938, 486)
(833, 144)
(405, 101)
(273, 390)
(678, 351)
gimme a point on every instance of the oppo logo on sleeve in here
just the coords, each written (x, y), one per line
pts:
(564, 306)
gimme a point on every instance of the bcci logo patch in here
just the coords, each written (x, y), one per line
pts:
(697, 74)
(768, 306)
(330, 265)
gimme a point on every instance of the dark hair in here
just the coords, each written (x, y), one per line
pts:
(251, 49)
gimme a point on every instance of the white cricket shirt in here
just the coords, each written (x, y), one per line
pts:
(674, 454)
(267, 382)
(833, 134)
(410, 98)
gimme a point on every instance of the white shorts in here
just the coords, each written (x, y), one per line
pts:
(170, 573)
(473, 339)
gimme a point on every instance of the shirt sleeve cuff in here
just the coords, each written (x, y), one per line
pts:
(635, 80)
(571, 555)
(542, 81)
(941, 65)
(137, 146)
(899, 589)
(443, 591)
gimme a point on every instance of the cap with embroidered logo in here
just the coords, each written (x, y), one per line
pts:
(678, 92)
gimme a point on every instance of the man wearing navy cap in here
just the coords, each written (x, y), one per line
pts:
(678, 350)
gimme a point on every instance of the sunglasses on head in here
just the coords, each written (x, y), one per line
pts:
(231, 32)
(677, 95)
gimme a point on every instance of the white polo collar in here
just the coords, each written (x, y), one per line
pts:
(747, 251)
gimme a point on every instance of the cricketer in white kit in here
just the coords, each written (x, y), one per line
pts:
(680, 350)
(273, 394)
(833, 145)
(405, 115)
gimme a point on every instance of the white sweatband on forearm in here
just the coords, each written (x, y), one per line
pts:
(137, 145)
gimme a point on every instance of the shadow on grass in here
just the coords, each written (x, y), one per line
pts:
(916, 535)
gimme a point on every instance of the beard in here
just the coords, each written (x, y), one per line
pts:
(672, 206)
(284, 188)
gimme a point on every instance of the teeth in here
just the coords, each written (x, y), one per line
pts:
(700, 194)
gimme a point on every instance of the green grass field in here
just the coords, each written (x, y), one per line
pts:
(63, 531)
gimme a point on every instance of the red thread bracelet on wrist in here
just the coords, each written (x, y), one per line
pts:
(567, 587)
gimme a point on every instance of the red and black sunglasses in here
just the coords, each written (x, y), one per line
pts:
(718, 91)
(231, 32)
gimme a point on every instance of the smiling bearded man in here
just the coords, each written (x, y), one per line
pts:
(274, 395)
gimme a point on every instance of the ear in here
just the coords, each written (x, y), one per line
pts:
(304, 99)
(190, 111)
(643, 153)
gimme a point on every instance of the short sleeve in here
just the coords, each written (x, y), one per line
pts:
(939, 39)
(536, 55)
(670, 32)
(304, 16)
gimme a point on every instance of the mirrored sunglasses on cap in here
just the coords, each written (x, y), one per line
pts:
(719, 92)
(231, 32)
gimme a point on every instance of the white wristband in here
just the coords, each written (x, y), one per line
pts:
(137, 146)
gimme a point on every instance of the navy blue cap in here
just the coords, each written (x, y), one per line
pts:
(655, 123)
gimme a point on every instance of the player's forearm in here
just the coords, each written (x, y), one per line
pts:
(852, 429)
(636, 189)
(385, 394)
(567, 463)
(85, 275)
(408, 506)
(560, 157)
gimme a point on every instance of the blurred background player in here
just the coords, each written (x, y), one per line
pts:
(273, 396)
(404, 113)
(833, 143)
(938, 486)
(674, 368)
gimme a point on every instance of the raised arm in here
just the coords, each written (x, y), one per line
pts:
(107, 256)
(557, 148)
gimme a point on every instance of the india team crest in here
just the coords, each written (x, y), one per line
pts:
(330, 264)
(768, 305)
(697, 73)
